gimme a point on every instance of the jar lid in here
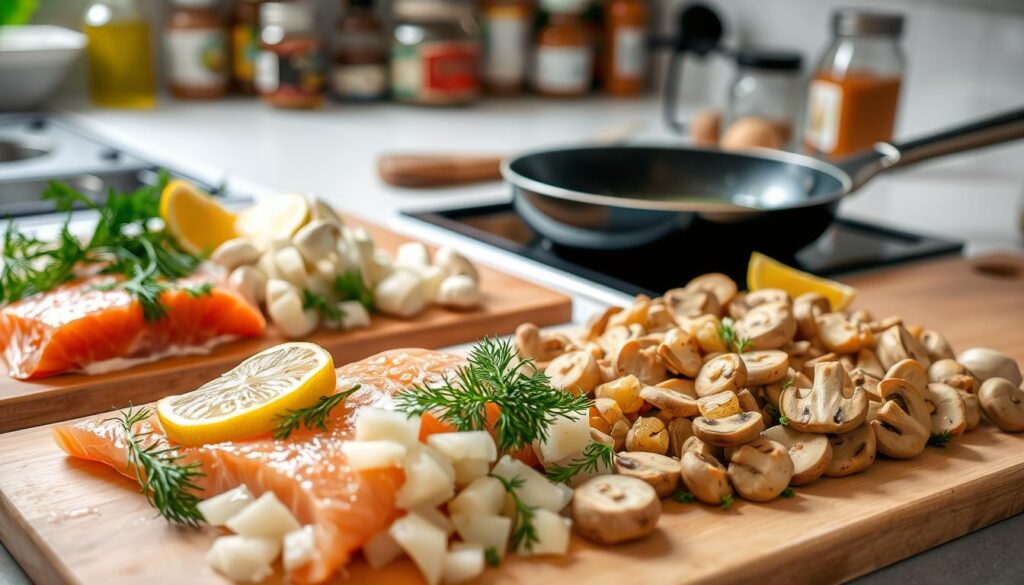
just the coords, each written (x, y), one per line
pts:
(195, 3)
(776, 60)
(849, 22)
(291, 16)
(565, 6)
(431, 9)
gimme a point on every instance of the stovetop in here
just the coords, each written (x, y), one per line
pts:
(846, 246)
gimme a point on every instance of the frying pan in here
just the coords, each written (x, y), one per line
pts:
(622, 197)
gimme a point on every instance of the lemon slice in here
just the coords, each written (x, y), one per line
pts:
(274, 218)
(195, 220)
(247, 400)
(764, 272)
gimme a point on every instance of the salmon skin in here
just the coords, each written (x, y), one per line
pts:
(78, 324)
(306, 471)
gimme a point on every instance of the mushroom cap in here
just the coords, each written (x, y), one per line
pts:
(760, 470)
(599, 322)
(615, 335)
(670, 402)
(615, 508)
(721, 373)
(764, 296)
(1003, 403)
(806, 309)
(852, 452)
(948, 411)
(826, 407)
(811, 453)
(838, 334)
(681, 385)
(640, 358)
(765, 366)
(767, 326)
(575, 372)
(972, 407)
(987, 363)
(719, 405)
(936, 345)
(680, 353)
(705, 477)
(903, 426)
(896, 343)
(659, 471)
(941, 370)
(729, 431)
(685, 303)
(910, 370)
(719, 285)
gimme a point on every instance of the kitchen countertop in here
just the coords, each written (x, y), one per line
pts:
(977, 198)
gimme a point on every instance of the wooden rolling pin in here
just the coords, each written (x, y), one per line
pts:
(423, 170)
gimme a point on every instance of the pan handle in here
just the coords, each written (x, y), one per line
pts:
(890, 155)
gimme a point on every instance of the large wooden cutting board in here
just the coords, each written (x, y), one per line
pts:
(507, 302)
(68, 521)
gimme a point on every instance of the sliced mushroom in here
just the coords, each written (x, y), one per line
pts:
(659, 318)
(887, 323)
(685, 304)
(634, 314)
(542, 346)
(867, 381)
(680, 353)
(719, 285)
(936, 345)
(811, 454)
(972, 407)
(625, 391)
(987, 363)
(609, 509)
(806, 309)
(659, 471)
(842, 336)
(679, 430)
(760, 470)
(747, 401)
(599, 323)
(896, 344)
(868, 362)
(947, 409)
(696, 445)
(639, 358)
(827, 407)
(724, 373)
(234, 253)
(672, 403)
(575, 372)
(767, 295)
(852, 452)
(729, 431)
(648, 434)
(773, 391)
(1003, 403)
(903, 426)
(800, 352)
(719, 405)
(765, 366)
(705, 477)
(767, 326)
(911, 371)
(613, 337)
(680, 385)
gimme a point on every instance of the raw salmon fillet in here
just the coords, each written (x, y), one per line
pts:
(77, 324)
(307, 471)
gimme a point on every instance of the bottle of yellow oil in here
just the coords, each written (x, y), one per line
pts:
(120, 59)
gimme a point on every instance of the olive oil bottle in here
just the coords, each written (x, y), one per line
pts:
(120, 58)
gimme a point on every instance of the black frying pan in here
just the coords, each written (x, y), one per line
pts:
(621, 197)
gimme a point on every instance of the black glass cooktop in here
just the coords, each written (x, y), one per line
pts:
(846, 246)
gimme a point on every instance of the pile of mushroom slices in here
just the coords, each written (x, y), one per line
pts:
(687, 388)
(277, 274)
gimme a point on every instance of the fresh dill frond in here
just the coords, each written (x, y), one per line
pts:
(319, 303)
(727, 501)
(595, 457)
(683, 496)
(940, 440)
(527, 402)
(787, 384)
(742, 344)
(199, 290)
(312, 417)
(167, 482)
(727, 332)
(350, 287)
(524, 533)
(788, 493)
(777, 415)
(492, 557)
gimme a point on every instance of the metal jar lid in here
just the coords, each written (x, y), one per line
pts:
(290, 16)
(431, 9)
(849, 22)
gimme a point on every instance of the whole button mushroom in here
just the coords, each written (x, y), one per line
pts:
(1003, 403)
(987, 363)
(729, 431)
(705, 477)
(760, 470)
(811, 454)
(947, 409)
(768, 326)
(453, 263)
(724, 373)
(659, 471)
(852, 452)
(972, 407)
(904, 425)
(609, 509)
(826, 407)
(458, 292)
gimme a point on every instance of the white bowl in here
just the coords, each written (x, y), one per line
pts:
(34, 59)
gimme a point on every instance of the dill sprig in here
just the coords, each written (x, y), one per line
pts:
(524, 533)
(168, 484)
(319, 303)
(777, 415)
(727, 331)
(595, 457)
(199, 290)
(788, 493)
(940, 440)
(727, 501)
(312, 417)
(350, 287)
(492, 557)
(683, 496)
(528, 404)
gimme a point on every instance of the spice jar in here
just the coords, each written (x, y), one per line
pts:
(435, 52)
(506, 25)
(768, 85)
(245, 44)
(120, 61)
(196, 46)
(564, 53)
(360, 66)
(854, 92)
(625, 67)
(289, 67)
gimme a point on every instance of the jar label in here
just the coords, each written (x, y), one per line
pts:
(296, 70)
(445, 71)
(824, 107)
(506, 38)
(563, 69)
(244, 49)
(197, 58)
(630, 52)
(366, 81)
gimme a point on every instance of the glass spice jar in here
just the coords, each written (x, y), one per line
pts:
(435, 53)
(359, 69)
(507, 26)
(768, 85)
(245, 44)
(289, 67)
(625, 66)
(564, 54)
(196, 46)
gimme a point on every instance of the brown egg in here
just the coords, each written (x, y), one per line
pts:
(751, 132)
(705, 127)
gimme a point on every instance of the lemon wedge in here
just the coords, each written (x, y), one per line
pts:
(764, 272)
(247, 400)
(196, 221)
(273, 218)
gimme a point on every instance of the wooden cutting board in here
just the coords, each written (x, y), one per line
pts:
(69, 521)
(507, 302)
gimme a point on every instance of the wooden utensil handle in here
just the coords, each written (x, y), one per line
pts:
(414, 170)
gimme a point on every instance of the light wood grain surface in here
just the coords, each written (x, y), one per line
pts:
(69, 521)
(507, 302)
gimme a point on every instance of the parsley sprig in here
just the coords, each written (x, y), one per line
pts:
(524, 533)
(731, 339)
(167, 482)
(527, 402)
(595, 457)
(312, 417)
(350, 287)
(940, 440)
(320, 303)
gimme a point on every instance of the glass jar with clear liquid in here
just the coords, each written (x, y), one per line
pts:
(120, 58)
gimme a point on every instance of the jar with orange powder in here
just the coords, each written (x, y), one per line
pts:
(854, 93)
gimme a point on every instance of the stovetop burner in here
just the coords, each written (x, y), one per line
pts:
(846, 246)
